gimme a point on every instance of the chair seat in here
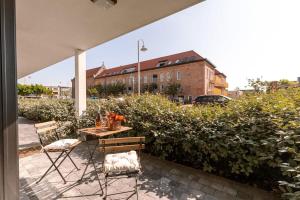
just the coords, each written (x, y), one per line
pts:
(61, 145)
(120, 162)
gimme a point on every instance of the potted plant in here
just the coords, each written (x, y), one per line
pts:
(114, 121)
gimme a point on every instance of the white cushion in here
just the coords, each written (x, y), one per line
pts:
(118, 162)
(61, 144)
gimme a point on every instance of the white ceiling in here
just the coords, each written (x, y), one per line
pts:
(48, 31)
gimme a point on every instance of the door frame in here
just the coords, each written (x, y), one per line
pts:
(9, 163)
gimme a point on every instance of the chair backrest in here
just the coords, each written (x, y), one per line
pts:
(122, 144)
(45, 130)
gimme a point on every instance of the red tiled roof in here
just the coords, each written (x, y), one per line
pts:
(219, 73)
(150, 64)
(91, 72)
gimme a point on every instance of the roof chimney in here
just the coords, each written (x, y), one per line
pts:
(103, 65)
(101, 69)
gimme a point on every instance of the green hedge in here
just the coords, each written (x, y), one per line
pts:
(42, 110)
(254, 139)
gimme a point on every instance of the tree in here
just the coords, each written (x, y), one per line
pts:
(36, 89)
(92, 92)
(24, 90)
(284, 82)
(100, 90)
(258, 84)
(39, 89)
(48, 92)
(172, 89)
(114, 89)
(151, 88)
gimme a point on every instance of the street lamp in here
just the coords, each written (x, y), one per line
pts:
(143, 48)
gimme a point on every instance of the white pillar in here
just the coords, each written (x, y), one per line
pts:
(80, 81)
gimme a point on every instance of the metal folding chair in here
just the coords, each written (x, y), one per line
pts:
(121, 159)
(48, 130)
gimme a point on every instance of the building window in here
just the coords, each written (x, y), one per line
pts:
(210, 87)
(211, 75)
(154, 78)
(169, 76)
(162, 63)
(190, 99)
(161, 88)
(161, 77)
(181, 99)
(178, 76)
(145, 79)
(131, 79)
(129, 88)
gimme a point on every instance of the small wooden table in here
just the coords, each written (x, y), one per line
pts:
(98, 133)
(102, 132)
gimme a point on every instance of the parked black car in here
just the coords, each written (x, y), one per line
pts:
(211, 99)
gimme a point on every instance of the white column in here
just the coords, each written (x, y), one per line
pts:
(80, 81)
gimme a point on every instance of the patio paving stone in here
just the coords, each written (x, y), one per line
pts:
(27, 136)
(159, 180)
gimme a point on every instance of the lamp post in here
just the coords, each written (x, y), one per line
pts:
(143, 48)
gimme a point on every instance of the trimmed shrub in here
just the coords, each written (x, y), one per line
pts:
(254, 139)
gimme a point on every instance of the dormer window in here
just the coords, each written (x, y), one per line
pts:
(185, 59)
(128, 70)
(162, 63)
(192, 58)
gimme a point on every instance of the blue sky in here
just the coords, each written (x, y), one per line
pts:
(244, 39)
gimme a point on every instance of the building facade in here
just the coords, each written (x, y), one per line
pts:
(60, 92)
(195, 75)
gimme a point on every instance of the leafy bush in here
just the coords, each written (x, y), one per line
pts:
(254, 139)
(42, 110)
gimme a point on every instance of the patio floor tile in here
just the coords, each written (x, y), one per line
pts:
(159, 180)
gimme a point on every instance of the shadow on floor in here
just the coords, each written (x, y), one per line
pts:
(158, 180)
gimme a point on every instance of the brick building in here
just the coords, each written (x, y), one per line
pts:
(195, 74)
